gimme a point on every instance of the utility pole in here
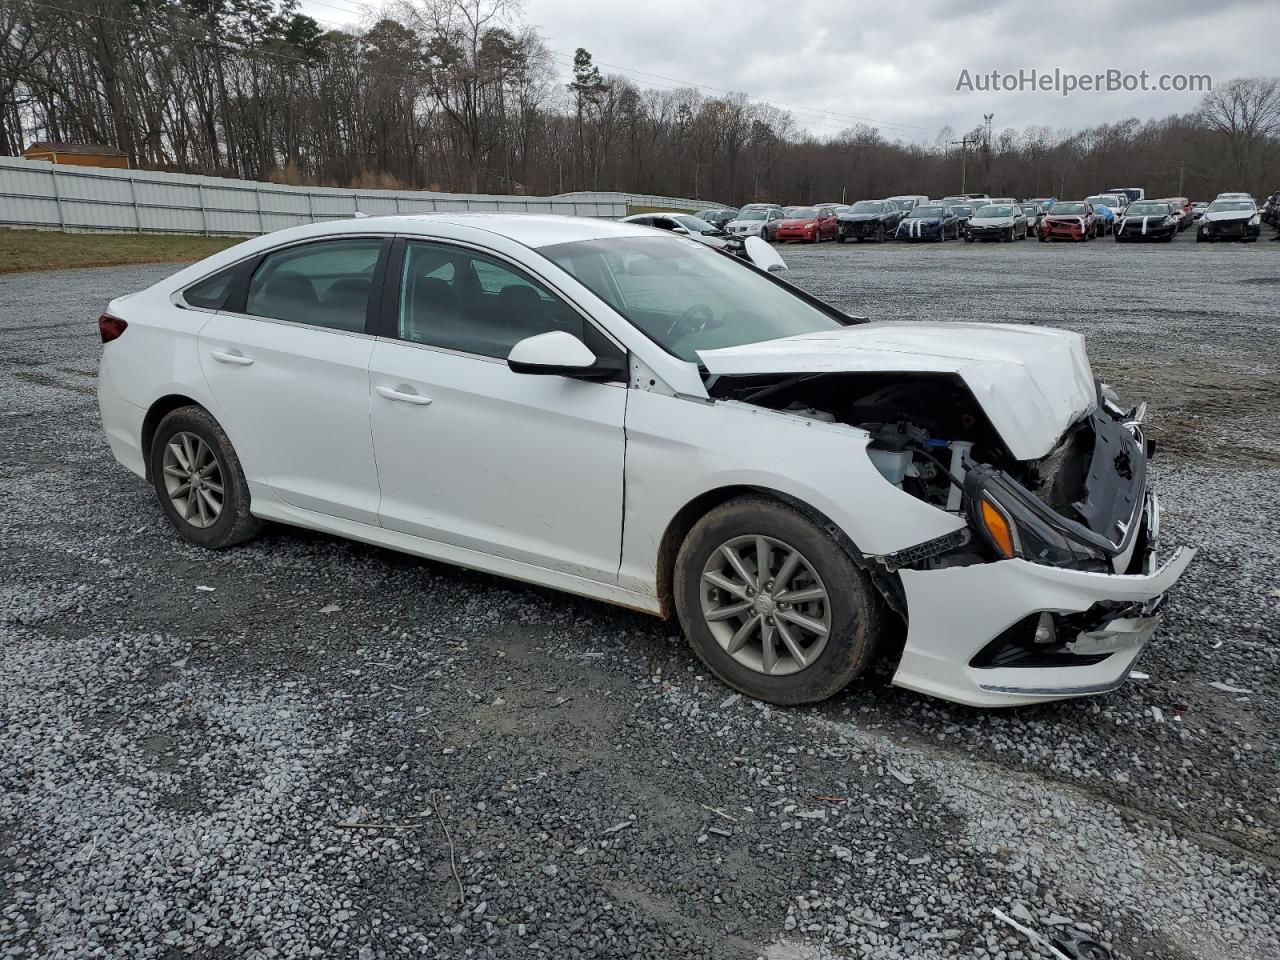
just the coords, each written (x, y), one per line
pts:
(964, 156)
(1181, 165)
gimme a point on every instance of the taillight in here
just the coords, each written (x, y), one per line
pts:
(110, 327)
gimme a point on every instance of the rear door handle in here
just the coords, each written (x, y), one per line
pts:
(234, 356)
(403, 394)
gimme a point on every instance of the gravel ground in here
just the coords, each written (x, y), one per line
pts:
(307, 747)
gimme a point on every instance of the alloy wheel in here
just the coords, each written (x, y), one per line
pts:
(193, 479)
(765, 604)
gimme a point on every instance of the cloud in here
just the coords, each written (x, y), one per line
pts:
(837, 63)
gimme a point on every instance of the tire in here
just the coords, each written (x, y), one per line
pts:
(851, 608)
(186, 429)
(1043, 237)
(840, 237)
(879, 234)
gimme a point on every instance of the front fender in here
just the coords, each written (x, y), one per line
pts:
(680, 449)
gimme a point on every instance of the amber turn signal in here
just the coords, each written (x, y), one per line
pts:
(998, 528)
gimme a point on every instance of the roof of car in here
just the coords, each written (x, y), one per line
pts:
(530, 229)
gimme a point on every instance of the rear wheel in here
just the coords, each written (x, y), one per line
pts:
(199, 480)
(772, 604)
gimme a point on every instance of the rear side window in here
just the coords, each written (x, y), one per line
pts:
(211, 292)
(324, 284)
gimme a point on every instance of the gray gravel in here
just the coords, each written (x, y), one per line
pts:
(248, 771)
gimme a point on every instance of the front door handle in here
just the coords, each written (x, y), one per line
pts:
(233, 356)
(403, 394)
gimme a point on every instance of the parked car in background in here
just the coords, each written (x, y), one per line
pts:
(1147, 220)
(1230, 219)
(1181, 208)
(997, 221)
(1197, 209)
(1133, 193)
(964, 213)
(467, 398)
(1046, 202)
(718, 217)
(1003, 201)
(1236, 196)
(929, 222)
(1107, 218)
(1070, 220)
(808, 225)
(682, 223)
(908, 202)
(1271, 210)
(1114, 202)
(869, 220)
(976, 199)
(756, 221)
(1034, 214)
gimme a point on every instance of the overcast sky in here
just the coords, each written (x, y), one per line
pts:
(834, 63)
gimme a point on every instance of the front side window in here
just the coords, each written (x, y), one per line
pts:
(324, 284)
(685, 296)
(459, 299)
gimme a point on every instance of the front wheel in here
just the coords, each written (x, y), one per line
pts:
(199, 480)
(772, 604)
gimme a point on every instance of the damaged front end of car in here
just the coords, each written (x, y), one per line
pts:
(1053, 585)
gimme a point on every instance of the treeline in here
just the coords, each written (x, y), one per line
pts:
(463, 95)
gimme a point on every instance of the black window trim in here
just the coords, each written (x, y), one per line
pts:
(600, 341)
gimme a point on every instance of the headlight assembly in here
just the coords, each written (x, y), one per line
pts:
(1017, 525)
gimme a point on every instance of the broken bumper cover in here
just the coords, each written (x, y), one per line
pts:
(1101, 622)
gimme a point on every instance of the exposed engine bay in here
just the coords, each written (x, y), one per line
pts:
(931, 438)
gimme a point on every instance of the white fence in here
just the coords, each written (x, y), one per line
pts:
(43, 195)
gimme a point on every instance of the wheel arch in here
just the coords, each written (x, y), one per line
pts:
(158, 410)
(888, 584)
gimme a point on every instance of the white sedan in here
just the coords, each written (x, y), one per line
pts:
(634, 417)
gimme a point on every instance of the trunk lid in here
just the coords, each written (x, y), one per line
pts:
(1032, 382)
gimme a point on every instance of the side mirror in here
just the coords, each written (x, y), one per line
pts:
(562, 354)
(684, 230)
(763, 255)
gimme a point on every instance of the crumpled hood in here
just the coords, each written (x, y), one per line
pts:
(1032, 382)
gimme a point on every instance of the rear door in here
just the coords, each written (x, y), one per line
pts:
(287, 361)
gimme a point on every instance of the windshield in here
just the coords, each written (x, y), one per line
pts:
(801, 213)
(1104, 201)
(924, 212)
(866, 206)
(696, 225)
(1218, 206)
(751, 215)
(962, 211)
(1029, 209)
(995, 210)
(1141, 209)
(685, 296)
(1075, 208)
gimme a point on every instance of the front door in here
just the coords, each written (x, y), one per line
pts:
(524, 467)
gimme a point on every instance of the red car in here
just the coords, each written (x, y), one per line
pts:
(1181, 209)
(1070, 220)
(809, 224)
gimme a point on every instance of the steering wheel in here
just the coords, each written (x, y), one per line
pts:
(694, 320)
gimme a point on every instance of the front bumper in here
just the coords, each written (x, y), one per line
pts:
(1062, 231)
(988, 233)
(1228, 230)
(955, 613)
(796, 233)
(1134, 231)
